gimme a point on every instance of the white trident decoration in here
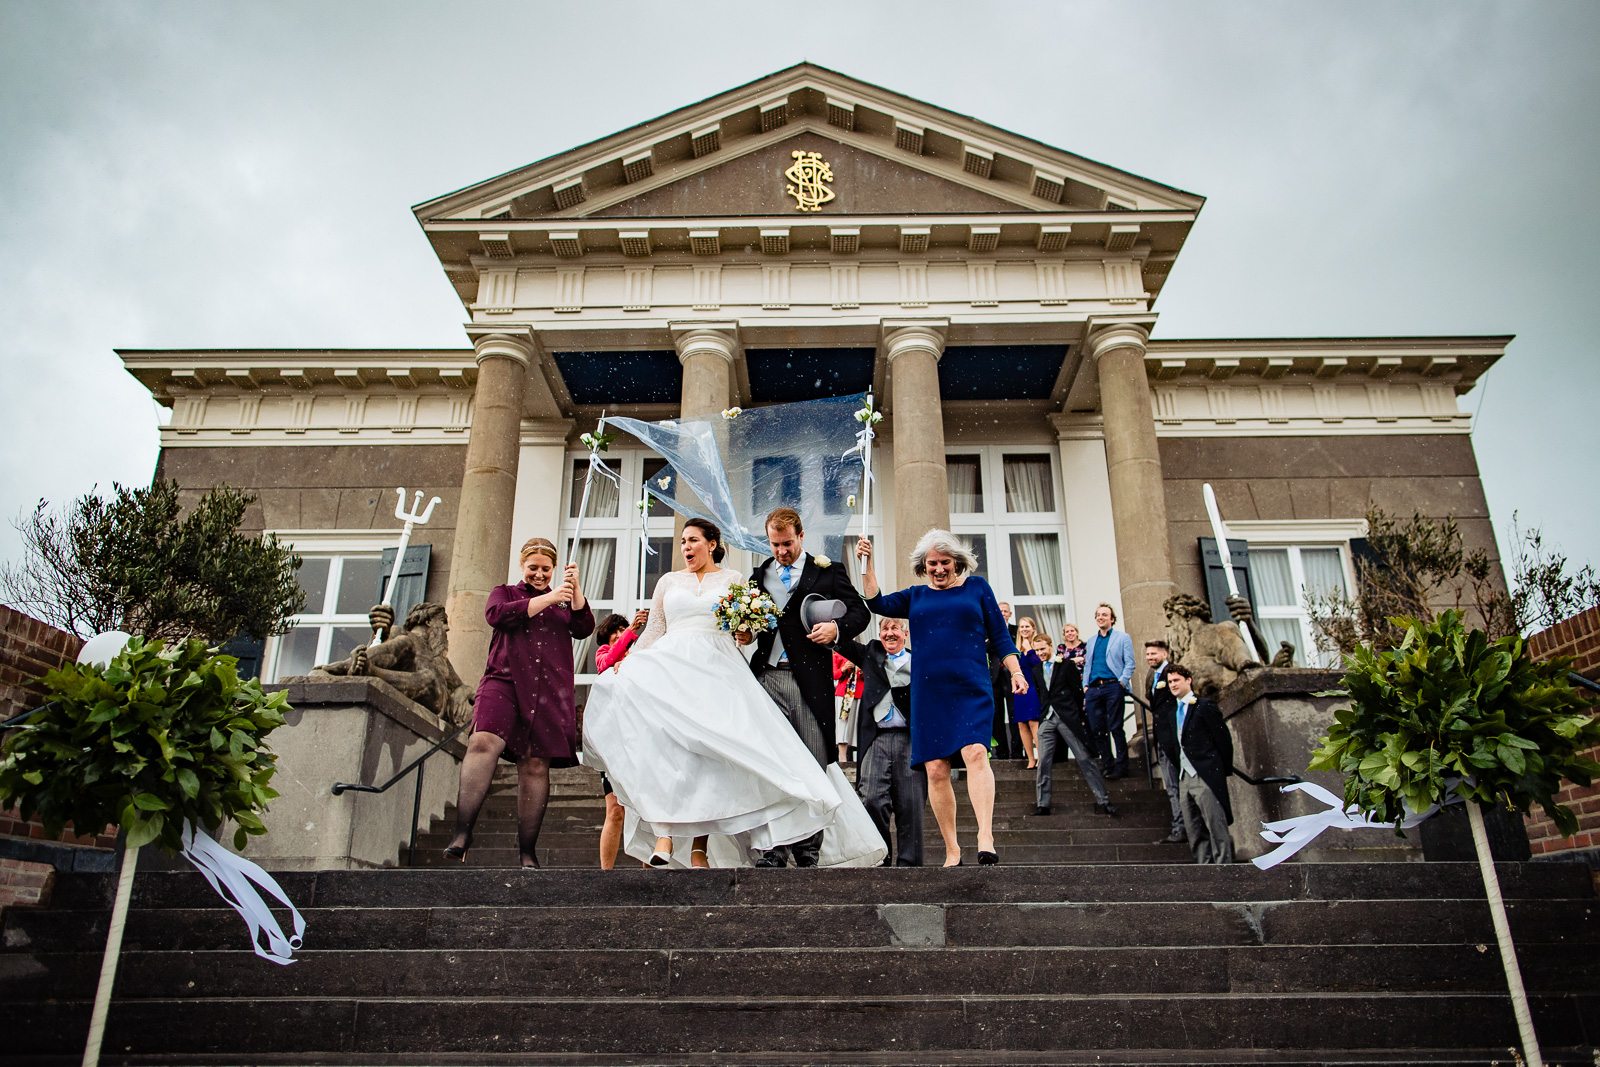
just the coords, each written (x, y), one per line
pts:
(597, 442)
(868, 417)
(412, 520)
(1221, 535)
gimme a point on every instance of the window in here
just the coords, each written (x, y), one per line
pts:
(339, 589)
(1283, 576)
(1005, 504)
(774, 480)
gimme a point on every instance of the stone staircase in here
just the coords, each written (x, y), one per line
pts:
(1105, 964)
(1072, 833)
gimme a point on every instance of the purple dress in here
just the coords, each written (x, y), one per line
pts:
(526, 695)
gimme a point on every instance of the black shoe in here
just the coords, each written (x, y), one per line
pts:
(772, 858)
(1107, 808)
(1044, 810)
(458, 853)
(806, 859)
(1114, 774)
(1177, 837)
(988, 859)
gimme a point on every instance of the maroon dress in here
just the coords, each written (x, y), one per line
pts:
(526, 695)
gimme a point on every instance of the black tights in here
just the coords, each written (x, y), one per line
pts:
(533, 792)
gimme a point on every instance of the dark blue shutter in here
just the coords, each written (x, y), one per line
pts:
(412, 588)
(247, 650)
(1217, 580)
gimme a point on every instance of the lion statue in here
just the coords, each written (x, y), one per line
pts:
(414, 660)
(1214, 651)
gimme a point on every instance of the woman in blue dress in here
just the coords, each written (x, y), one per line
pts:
(954, 621)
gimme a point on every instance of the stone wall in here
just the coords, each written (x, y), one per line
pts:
(1578, 637)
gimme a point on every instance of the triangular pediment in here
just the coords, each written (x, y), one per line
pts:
(724, 156)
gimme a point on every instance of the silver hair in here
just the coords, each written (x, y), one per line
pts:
(942, 541)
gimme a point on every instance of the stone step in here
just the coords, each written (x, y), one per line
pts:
(1098, 831)
(878, 973)
(643, 1027)
(587, 854)
(829, 926)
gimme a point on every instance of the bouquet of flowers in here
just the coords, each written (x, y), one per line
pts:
(746, 608)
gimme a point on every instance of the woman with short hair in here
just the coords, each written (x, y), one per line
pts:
(955, 618)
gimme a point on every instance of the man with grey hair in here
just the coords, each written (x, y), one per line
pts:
(889, 785)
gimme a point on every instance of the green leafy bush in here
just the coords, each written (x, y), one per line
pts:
(1450, 703)
(155, 739)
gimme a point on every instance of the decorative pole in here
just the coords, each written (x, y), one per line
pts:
(868, 417)
(644, 542)
(597, 443)
(1502, 933)
(1221, 535)
(412, 520)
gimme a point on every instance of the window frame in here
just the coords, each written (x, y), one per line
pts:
(1294, 536)
(336, 546)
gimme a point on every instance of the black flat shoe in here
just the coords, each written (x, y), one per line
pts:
(988, 859)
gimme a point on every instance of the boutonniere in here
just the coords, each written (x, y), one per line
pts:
(1162, 684)
(822, 561)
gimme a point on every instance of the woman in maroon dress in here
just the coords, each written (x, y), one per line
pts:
(524, 707)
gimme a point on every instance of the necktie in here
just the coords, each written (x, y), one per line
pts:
(787, 574)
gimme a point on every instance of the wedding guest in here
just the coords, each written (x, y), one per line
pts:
(1164, 725)
(847, 687)
(1025, 706)
(1007, 743)
(889, 785)
(525, 704)
(1071, 646)
(1061, 723)
(614, 638)
(1205, 759)
(1106, 681)
(956, 621)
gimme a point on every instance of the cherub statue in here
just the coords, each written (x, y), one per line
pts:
(414, 660)
(1214, 651)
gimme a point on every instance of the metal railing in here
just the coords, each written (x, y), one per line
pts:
(1271, 779)
(340, 788)
(18, 720)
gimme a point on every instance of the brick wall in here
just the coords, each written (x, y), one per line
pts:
(1578, 637)
(29, 648)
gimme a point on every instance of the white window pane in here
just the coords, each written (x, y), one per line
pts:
(345, 640)
(657, 565)
(1028, 484)
(979, 544)
(1275, 630)
(1049, 618)
(597, 567)
(313, 575)
(297, 649)
(1269, 569)
(1036, 564)
(358, 587)
(1324, 570)
(603, 496)
(965, 483)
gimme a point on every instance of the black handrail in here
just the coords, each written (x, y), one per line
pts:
(340, 788)
(1273, 779)
(17, 720)
(1144, 732)
(1577, 679)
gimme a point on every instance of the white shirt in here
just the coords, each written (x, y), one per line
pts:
(1185, 706)
(886, 715)
(773, 584)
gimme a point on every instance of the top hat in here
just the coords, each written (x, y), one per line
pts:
(816, 608)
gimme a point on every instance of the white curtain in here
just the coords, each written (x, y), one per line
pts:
(596, 560)
(1036, 564)
(1274, 582)
(1049, 618)
(1324, 570)
(1028, 485)
(603, 496)
(979, 544)
(1275, 630)
(964, 485)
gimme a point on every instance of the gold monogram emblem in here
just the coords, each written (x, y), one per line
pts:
(808, 174)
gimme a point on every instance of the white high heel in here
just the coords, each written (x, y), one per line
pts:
(660, 859)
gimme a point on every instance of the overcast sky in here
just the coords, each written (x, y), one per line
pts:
(238, 175)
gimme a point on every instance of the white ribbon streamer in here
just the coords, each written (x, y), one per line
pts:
(224, 869)
(1292, 835)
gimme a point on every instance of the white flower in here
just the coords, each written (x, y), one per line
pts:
(822, 561)
(850, 501)
(732, 413)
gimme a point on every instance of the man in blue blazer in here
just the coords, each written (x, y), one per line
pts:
(1107, 677)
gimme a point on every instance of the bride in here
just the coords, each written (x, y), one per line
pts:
(698, 754)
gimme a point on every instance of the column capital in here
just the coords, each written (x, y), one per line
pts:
(914, 335)
(712, 338)
(513, 343)
(1108, 332)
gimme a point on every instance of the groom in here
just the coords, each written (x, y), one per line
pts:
(795, 665)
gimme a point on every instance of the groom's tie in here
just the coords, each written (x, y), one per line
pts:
(786, 574)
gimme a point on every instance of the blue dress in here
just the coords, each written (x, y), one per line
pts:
(952, 698)
(1025, 706)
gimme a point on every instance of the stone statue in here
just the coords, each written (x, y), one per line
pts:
(413, 660)
(1214, 651)
(1239, 609)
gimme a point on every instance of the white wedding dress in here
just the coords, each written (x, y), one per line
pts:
(693, 745)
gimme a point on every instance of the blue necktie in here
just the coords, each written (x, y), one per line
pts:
(788, 578)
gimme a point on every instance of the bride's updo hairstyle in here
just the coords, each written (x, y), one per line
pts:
(709, 531)
(537, 546)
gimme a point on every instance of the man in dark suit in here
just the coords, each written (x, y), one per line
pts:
(1205, 759)
(1061, 723)
(794, 663)
(1164, 723)
(889, 785)
(1007, 739)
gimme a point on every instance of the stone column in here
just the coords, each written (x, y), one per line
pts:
(1133, 463)
(488, 495)
(706, 351)
(921, 493)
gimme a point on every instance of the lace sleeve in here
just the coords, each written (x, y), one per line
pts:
(658, 615)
